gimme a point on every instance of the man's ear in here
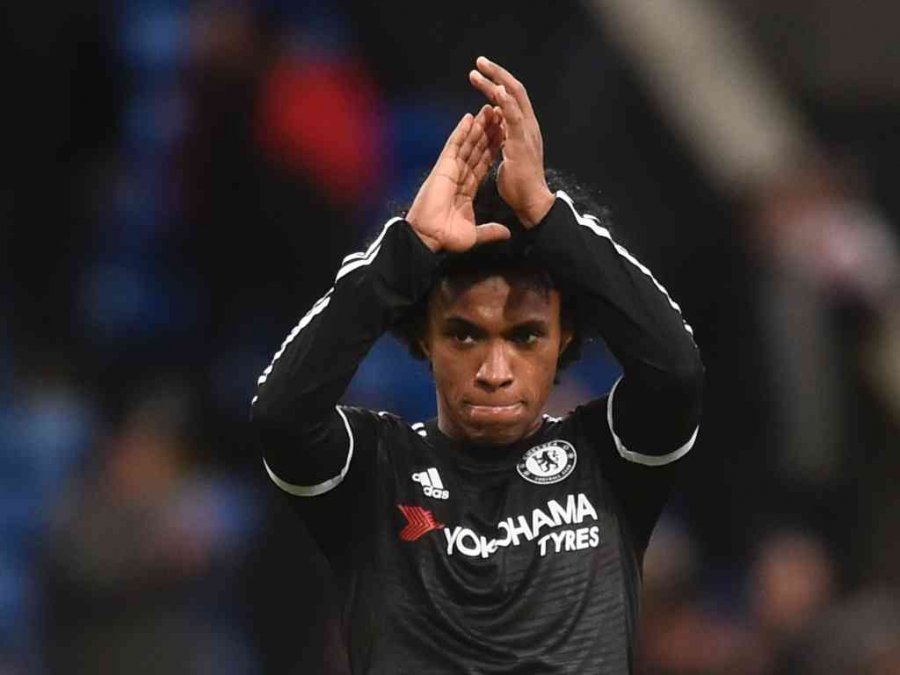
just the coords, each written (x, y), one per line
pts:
(423, 347)
(566, 337)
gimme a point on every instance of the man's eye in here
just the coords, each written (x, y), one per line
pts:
(526, 337)
(464, 338)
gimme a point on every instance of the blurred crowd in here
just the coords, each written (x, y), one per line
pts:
(183, 178)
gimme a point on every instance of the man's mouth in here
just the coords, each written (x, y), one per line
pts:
(494, 412)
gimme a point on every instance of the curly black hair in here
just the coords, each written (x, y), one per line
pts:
(509, 258)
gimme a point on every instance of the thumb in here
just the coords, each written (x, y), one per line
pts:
(489, 232)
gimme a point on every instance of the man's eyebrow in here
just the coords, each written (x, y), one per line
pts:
(459, 323)
(535, 325)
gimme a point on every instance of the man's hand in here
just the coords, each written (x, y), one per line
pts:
(520, 179)
(442, 213)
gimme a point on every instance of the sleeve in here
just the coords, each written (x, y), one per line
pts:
(652, 413)
(310, 444)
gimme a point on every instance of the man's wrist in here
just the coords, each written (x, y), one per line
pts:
(536, 210)
(430, 242)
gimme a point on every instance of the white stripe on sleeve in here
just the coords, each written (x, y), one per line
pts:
(374, 245)
(324, 486)
(351, 262)
(638, 458)
(592, 224)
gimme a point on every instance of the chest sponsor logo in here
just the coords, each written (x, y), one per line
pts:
(576, 511)
(547, 463)
(431, 483)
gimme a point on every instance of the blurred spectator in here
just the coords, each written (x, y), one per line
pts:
(144, 554)
(792, 581)
(860, 635)
(46, 425)
(825, 252)
(320, 115)
(683, 632)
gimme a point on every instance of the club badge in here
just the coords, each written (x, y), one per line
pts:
(547, 463)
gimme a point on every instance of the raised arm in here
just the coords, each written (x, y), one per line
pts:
(308, 441)
(653, 412)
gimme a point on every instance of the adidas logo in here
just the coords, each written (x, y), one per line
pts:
(431, 483)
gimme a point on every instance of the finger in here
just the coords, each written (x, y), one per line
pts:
(513, 119)
(503, 102)
(489, 232)
(487, 157)
(474, 136)
(490, 90)
(486, 150)
(478, 155)
(475, 171)
(468, 144)
(487, 113)
(477, 160)
(457, 136)
(475, 133)
(485, 119)
(501, 75)
(469, 184)
(495, 133)
(485, 140)
(507, 104)
(476, 167)
(481, 169)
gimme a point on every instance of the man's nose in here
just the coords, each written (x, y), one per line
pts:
(495, 371)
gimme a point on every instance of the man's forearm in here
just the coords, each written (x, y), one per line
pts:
(314, 365)
(620, 301)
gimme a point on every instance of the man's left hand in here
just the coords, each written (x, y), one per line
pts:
(520, 178)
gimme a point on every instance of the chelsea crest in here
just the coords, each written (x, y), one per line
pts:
(548, 463)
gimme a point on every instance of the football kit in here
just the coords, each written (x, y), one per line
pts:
(459, 558)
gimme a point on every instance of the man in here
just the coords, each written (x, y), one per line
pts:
(493, 538)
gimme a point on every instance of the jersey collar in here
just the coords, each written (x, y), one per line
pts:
(478, 454)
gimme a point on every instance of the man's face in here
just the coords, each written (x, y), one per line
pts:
(493, 345)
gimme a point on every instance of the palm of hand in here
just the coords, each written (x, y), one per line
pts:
(520, 175)
(450, 215)
(442, 213)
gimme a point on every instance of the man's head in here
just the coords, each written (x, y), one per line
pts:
(494, 343)
(495, 328)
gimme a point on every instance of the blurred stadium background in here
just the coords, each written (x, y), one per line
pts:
(182, 178)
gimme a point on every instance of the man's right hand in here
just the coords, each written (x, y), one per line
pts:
(442, 213)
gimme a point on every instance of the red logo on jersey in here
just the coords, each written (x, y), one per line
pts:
(419, 521)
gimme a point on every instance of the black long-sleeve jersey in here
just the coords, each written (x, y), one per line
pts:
(454, 558)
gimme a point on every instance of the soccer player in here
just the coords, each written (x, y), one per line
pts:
(492, 539)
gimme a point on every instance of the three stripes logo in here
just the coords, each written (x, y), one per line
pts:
(431, 483)
(419, 521)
